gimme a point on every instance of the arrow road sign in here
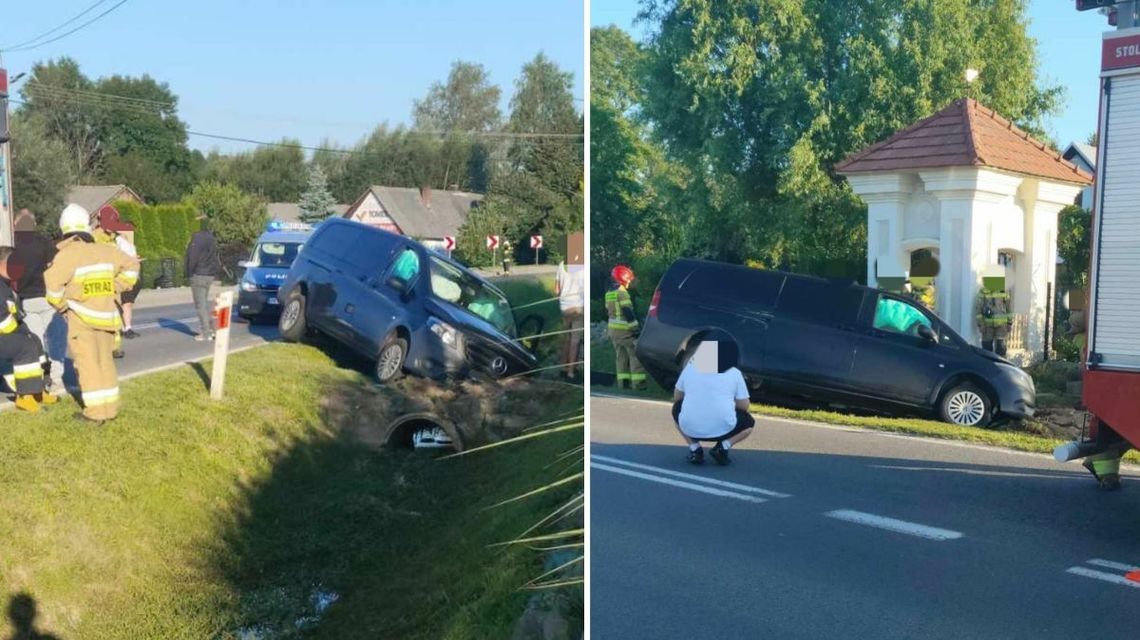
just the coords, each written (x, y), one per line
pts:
(449, 243)
(492, 242)
(536, 242)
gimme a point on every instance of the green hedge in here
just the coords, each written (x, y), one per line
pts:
(161, 231)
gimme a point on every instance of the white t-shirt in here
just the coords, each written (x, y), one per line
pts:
(709, 407)
(571, 287)
(125, 246)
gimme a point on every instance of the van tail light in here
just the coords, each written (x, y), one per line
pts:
(655, 302)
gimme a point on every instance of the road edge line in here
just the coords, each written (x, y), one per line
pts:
(693, 476)
(677, 483)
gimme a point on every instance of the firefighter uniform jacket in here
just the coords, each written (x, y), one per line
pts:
(10, 311)
(619, 309)
(86, 277)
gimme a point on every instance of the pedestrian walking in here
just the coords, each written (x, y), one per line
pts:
(202, 266)
(624, 329)
(710, 400)
(34, 251)
(19, 347)
(570, 287)
(83, 281)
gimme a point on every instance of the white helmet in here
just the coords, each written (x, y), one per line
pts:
(74, 219)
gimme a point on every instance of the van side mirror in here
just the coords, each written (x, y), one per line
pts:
(927, 334)
(400, 286)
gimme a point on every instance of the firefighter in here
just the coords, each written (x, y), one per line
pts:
(1105, 467)
(19, 346)
(624, 329)
(994, 319)
(83, 282)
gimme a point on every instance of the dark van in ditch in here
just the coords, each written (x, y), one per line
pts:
(407, 308)
(833, 343)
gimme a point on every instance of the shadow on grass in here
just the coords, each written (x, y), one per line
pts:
(22, 614)
(346, 540)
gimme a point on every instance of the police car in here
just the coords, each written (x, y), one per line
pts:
(267, 268)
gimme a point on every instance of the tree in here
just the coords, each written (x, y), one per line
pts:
(316, 202)
(51, 95)
(275, 173)
(759, 99)
(41, 170)
(467, 102)
(235, 217)
(1073, 245)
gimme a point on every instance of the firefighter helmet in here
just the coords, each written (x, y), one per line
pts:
(622, 275)
(74, 219)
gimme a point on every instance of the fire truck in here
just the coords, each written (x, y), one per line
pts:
(1111, 371)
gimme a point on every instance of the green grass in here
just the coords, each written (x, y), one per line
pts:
(602, 359)
(187, 518)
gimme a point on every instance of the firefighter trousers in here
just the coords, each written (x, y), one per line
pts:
(91, 350)
(628, 366)
(23, 350)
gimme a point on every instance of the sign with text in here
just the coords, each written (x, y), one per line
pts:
(1120, 52)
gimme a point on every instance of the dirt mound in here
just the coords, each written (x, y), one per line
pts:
(472, 413)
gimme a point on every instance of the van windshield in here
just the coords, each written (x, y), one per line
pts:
(470, 294)
(275, 254)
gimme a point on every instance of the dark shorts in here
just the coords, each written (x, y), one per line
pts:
(129, 297)
(744, 422)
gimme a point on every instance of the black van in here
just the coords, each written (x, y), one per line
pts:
(833, 343)
(407, 308)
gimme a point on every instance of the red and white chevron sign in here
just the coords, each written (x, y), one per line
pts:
(536, 242)
(449, 243)
(492, 242)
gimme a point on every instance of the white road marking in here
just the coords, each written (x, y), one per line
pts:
(1106, 577)
(891, 524)
(677, 483)
(159, 323)
(691, 476)
(1108, 564)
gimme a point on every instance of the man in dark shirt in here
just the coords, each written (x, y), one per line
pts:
(202, 266)
(34, 251)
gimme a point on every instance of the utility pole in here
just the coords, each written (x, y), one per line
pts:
(5, 166)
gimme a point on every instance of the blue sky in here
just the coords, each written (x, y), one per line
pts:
(1068, 50)
(308, 69)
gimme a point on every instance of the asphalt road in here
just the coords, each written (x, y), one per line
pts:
(166, 337)
(828, 532)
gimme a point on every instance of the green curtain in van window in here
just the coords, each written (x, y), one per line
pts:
(407, 266)
(897, 316)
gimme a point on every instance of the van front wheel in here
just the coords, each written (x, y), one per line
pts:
(293, 323)
(390, 362)
(967, 405)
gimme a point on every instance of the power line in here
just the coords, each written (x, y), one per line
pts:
(57, 27)
(65, 34)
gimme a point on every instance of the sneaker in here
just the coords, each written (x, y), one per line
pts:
(696, 457)
(199, 337)
(719, 454)
(118, 354)
(130, 334)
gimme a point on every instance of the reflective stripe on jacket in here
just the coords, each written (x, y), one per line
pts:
(617, 302)
(85, 279)
(9, 309)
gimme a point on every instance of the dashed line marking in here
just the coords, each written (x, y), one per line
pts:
(892, 524)
(1113, 578)
(690, 476)
(678, 483)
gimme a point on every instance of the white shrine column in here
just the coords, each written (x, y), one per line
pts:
(969, 198)
(886, 196)
(1041, 254)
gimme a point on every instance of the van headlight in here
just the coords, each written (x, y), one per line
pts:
(447, 333)
(246, 285)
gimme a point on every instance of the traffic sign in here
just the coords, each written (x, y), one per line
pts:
(449, 243)
(536, 242)
(492, 242)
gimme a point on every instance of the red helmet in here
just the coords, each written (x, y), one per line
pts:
(622, 275)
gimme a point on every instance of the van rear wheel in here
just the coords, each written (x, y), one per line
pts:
(390, 362)
(293, 325)
(967, 405)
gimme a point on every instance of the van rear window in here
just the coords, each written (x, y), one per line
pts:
(753, 286)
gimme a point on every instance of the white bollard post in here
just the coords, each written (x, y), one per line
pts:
(222, 307)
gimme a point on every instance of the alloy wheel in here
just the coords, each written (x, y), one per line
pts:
(966, 408)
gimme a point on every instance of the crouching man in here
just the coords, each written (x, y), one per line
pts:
(19, 347)
(710, 401)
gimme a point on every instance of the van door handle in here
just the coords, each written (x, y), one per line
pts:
(349, 308)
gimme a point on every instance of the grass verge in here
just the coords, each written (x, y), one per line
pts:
(187, 518)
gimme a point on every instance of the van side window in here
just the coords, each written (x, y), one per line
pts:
(405, 267)
(896, 316)
(335, 238)
(811, 300)
(752, 286)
